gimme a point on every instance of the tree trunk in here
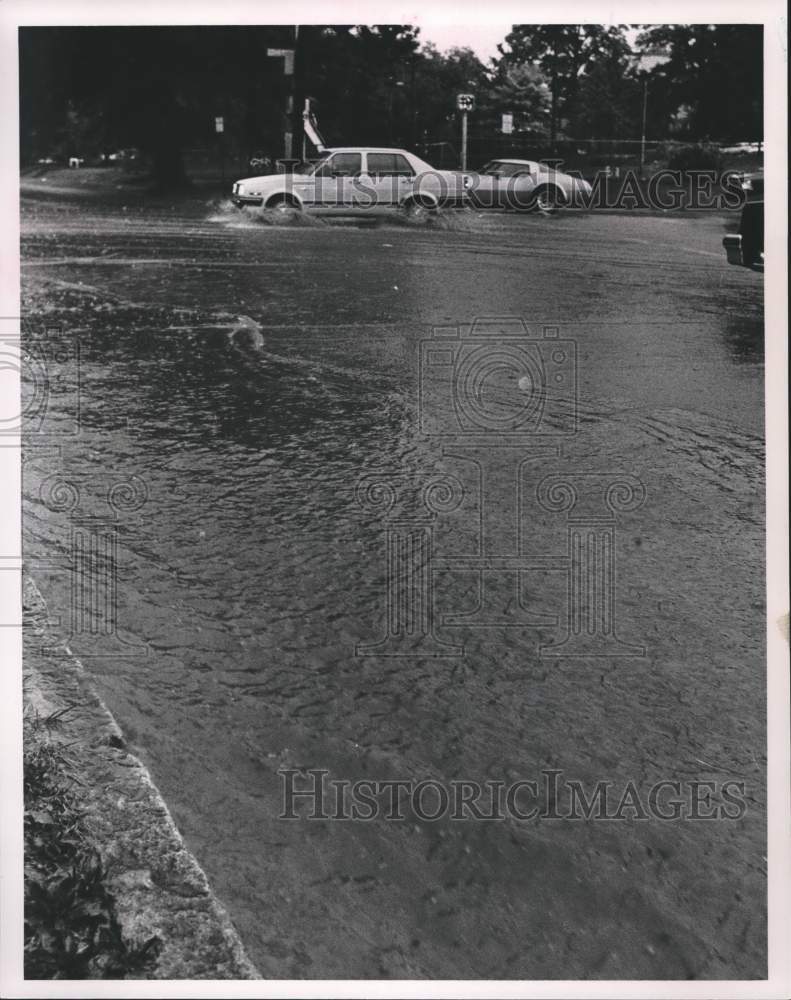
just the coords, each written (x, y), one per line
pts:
(168, 168)
(164, 126)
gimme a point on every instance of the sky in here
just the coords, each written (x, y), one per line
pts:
(481, 38)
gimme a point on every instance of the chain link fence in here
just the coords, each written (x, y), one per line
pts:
(589, 156)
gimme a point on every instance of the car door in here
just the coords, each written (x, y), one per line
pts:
(517, 190)
(490, 189)
(390, 179)
(482, 192)
(334, 182)
(508, 184)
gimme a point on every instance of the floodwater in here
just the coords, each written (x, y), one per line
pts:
(247, 382)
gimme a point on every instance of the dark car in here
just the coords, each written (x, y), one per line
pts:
(747, 246)
(753, 186)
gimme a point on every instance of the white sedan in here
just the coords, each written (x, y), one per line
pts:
(352, 179)
(526, 185)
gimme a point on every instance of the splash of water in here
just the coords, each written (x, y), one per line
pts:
(227, 214)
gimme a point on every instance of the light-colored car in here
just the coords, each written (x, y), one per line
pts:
(353, 179)
(526, 185)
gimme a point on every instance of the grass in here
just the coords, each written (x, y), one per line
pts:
(71, 925)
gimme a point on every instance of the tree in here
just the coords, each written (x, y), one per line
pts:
(714, 72)
(358, 75)
(609, 102)
(439, 78)
(522, 89)
(156, 88)
(563, 53)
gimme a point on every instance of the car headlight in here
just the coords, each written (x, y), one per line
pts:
(237, 188)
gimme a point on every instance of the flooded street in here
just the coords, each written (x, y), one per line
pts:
(247, 378)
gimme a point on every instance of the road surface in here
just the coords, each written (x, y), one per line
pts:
(251, 376)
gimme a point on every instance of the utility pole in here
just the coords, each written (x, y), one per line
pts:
(465, 103)
(412, 104)
(464, 140)
(287, 55)
(219, 129)
(642, 140)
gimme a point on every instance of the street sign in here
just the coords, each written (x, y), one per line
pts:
(465, 102)
(287, 55)
(219, 124)
(508, 123)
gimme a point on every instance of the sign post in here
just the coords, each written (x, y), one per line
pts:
(508, 123)
(642, 140)
(465, 103)
(219, 128)
(287, 55)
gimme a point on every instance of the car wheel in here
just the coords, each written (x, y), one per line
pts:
(419, 210)
(549, 200)
(284, 208)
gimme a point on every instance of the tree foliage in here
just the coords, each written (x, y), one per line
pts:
(713, 74)
(88, 90)
(522, 90)
(565, 53)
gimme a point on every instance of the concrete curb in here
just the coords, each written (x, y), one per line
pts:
(159, 887)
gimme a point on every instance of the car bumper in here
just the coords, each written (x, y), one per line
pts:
(733, 249)
(747, 246)
(240, 200)
(736, 254)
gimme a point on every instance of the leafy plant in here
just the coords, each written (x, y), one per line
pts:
(697, 156)
(71, 925)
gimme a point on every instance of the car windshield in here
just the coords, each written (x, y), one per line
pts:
(496, 168)
(311, 166)
(307, 167)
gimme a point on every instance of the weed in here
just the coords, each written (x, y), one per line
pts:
(71, 926)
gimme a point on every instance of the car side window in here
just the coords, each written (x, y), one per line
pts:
(380, 164)
(389, 165)
(403, 168)
(341, 165)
